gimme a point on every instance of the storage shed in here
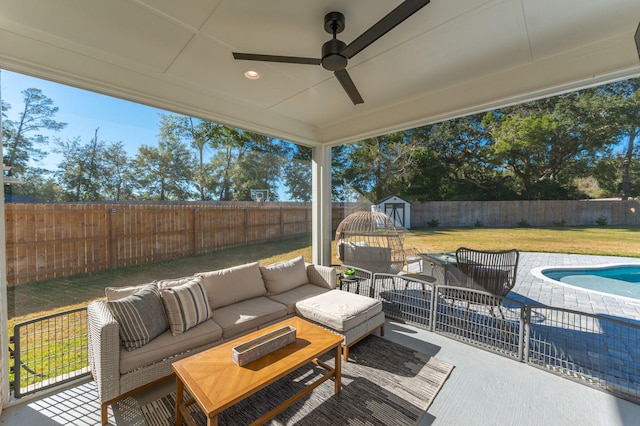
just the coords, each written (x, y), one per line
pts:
(396, 208)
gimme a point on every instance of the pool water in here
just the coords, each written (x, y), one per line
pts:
(620, 280)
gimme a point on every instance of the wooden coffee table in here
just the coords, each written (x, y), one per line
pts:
(215, 382)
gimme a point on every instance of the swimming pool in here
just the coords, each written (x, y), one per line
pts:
(617, 279)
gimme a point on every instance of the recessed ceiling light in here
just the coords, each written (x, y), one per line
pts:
(252, 75)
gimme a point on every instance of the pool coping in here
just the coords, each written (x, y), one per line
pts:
(537, 272)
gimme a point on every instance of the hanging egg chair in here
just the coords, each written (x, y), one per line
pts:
(371, 241)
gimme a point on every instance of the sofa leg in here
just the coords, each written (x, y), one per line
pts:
(103, 413)
(382, 330)
(345, 352)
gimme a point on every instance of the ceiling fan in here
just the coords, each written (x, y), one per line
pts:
(335, 53)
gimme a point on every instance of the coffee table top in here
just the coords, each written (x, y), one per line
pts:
(216, 382)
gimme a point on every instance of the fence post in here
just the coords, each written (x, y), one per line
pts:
(525, 332)
(195, 224)
(246, 225)
(281, 223)
(111, 237)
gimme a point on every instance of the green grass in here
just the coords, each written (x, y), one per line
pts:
(605, 241)
(37, 299)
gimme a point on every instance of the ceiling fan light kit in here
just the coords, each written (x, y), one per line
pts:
(336, 53)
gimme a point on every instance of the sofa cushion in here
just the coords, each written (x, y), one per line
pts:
(166, 345)
(232, 285)
(186, 305)
(289, 298)
(174, 282)
(140, 316)
(338, 309)
(247, 315)
(115, 293)
(284, 276)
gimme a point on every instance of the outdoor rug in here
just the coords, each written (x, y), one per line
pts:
(383, 383)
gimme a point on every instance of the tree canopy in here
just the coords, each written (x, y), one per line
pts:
(577, 145)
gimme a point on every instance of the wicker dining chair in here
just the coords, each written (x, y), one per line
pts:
(492, 274)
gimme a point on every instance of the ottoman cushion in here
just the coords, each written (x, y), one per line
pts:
(338, 309)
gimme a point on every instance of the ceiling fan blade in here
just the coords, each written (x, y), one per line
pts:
(383, 26)
(348, 86)
(274, 58)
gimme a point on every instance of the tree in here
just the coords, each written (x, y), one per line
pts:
(199, 134)
(258, 167)
(40, 185)
(454, 162)
(623, 105)
(546, 144)
(22, 136)
(164, 172)
(82, 170)
(118, 179)
(380, 166)
(297, 173)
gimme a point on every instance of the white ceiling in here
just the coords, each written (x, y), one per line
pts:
(449, 59)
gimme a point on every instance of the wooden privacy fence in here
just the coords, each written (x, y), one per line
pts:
(534, 213)
(55, 240)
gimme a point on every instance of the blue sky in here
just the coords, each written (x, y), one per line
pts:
(84, 111)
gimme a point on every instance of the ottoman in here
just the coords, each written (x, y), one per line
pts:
(349, 315)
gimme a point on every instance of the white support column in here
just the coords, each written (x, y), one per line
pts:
(321, 205)
(4, 338)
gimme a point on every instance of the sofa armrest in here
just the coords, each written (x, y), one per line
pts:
(322, 276)
(104, 350)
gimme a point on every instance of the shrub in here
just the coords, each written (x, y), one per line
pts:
(602, 220)
(433, 223)
(478, 224)
(560, 223)
(523, 223)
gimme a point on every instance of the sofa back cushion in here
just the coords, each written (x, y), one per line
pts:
(115, 293)
(186, 305)
(284, 276)
(232, 285)
(140, 316)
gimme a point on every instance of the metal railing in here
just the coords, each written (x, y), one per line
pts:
(595, 350)
(49, 351)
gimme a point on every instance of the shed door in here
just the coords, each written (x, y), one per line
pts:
(396, 212)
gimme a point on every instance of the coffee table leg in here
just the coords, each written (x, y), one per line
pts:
(179, 398)
(338, 368)
(213, 420)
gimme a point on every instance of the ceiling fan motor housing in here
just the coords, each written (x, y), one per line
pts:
(332, 58)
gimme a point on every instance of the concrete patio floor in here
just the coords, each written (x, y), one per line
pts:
(483, 389)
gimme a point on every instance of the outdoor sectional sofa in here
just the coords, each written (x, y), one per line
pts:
(138, 331)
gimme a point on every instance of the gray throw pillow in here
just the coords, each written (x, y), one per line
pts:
(140, 316)
(186, 305)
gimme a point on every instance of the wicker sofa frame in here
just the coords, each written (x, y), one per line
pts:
(105, 347)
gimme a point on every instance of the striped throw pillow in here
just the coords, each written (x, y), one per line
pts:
(140, 316)
(186, 305)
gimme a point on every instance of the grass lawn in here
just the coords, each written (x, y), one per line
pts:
(35, 299)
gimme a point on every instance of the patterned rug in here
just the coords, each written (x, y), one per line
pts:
(382, 384)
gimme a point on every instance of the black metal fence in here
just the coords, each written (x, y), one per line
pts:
(49, 351)
(595, 350)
